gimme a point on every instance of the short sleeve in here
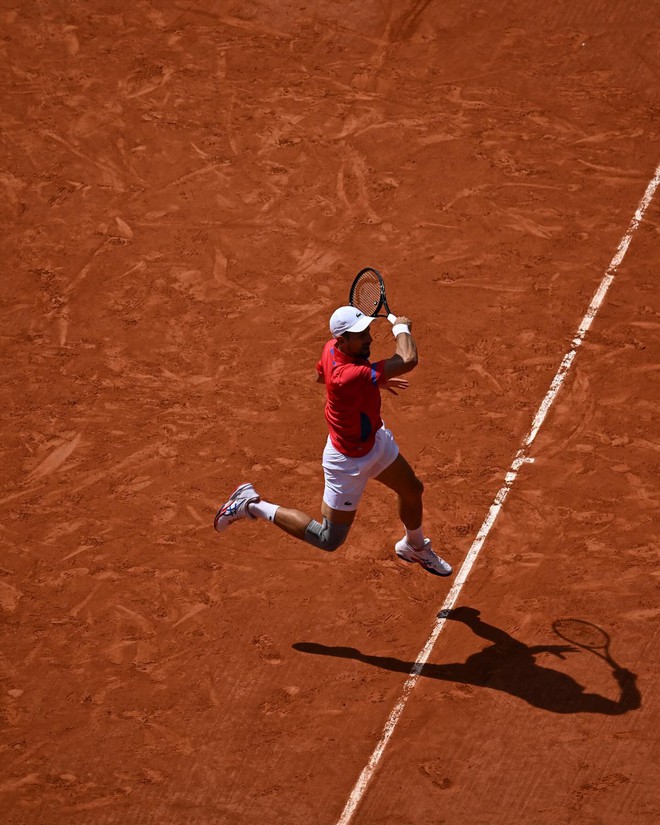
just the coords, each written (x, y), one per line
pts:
(378, 376)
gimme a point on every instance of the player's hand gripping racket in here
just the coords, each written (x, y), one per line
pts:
(368, 294)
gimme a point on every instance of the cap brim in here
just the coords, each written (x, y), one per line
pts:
(361, 324)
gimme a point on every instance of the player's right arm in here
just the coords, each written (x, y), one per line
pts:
(405, 358)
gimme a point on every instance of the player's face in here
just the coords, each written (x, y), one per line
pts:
(357, 344)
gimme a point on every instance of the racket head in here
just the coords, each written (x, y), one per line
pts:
(367, 292)
(582, 633)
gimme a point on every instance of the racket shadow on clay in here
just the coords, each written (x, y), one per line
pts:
(508, 665)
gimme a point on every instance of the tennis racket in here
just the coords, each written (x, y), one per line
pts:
(368, 294)
(587, 636)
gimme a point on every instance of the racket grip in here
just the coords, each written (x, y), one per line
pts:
(391, 318)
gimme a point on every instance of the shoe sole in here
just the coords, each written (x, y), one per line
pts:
(236, 494)
(427, 569)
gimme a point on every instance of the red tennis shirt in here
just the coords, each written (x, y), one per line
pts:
(352, 409)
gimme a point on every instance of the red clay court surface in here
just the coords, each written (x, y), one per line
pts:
(188, 189)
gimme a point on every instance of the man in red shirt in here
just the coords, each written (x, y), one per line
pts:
(358, 448)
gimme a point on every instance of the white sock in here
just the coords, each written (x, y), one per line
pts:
(415, 538)
(262, 509)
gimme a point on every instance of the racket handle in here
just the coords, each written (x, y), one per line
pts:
(391, 318)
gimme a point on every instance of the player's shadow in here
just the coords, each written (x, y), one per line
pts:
(510, 666)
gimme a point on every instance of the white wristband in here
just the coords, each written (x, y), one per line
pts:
(397, 329)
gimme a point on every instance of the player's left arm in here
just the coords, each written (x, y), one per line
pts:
(394, 384)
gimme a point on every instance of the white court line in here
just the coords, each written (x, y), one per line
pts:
(521, 458)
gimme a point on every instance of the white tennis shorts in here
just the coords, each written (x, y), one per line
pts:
(346, 477)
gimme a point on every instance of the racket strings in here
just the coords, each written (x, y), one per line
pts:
(366, 294)
(581, 633)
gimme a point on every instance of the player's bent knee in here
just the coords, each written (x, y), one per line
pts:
(327, 536)
(414, 489)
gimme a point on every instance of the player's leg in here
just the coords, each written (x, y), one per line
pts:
(329, 535)
(296, 523)
(401, 478)
(245, 502)
(344, 485)
(413, 547)
(333, 532)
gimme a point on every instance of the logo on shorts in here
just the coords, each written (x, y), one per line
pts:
(348, 503)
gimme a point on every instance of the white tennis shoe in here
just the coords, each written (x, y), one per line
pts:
(425, 556)
(236, 507)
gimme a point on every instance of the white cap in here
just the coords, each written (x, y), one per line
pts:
(348, 319)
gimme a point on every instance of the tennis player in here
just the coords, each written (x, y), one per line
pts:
(358, 448)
